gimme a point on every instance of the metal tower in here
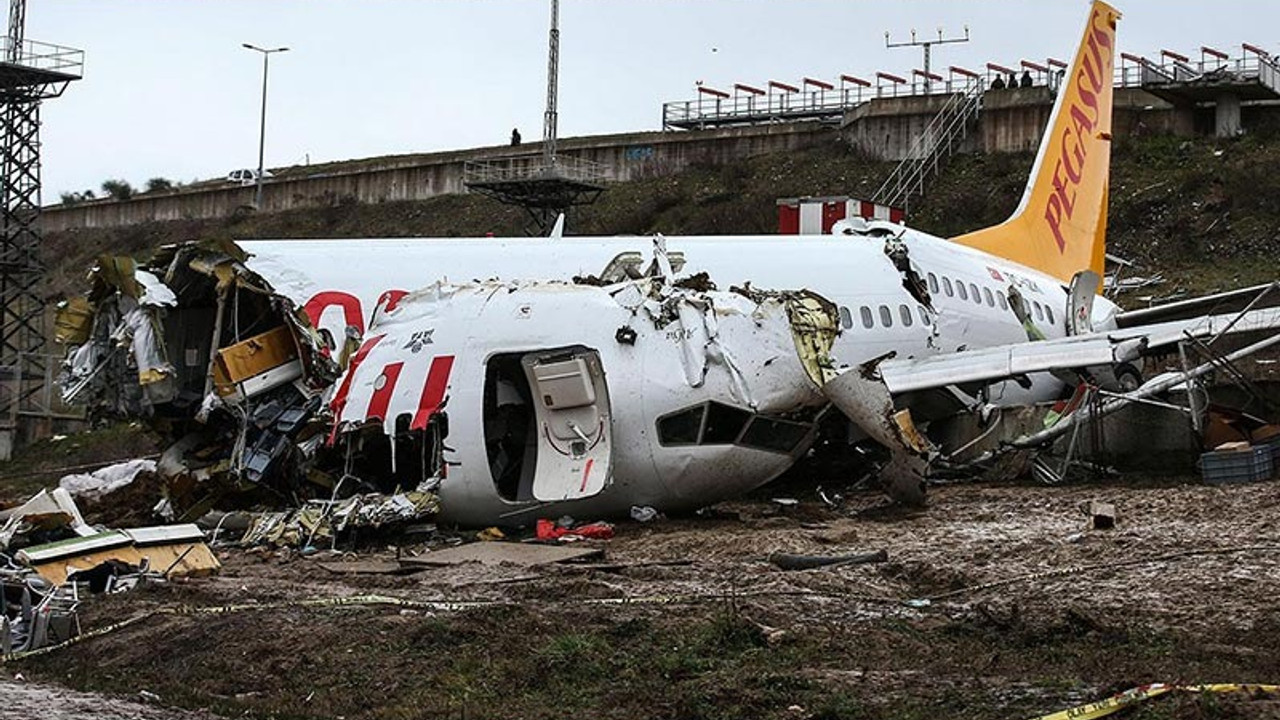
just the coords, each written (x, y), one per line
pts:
(29, 73)
(544, 186)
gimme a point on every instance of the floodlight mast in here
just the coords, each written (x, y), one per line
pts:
(553, 75)
(262, 130)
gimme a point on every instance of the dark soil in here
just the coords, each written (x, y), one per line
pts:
(730, 636)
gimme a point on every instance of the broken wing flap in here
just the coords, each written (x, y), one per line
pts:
(861, 394)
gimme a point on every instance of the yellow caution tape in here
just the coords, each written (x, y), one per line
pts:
(1119, 701)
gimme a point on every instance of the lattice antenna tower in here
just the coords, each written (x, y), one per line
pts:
(30, 72)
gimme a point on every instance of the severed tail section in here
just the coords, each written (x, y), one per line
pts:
(1060, 226)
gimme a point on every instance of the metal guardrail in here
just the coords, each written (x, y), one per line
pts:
(532, 167)
(748, 108)
(1250, 67)
(780, 106)
(42, 56)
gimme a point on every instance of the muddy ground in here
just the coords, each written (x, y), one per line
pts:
(1183, 590)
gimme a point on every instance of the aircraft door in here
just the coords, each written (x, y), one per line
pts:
(1084, 287)
(574, 424)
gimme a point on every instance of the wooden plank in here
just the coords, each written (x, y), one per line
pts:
(504, 553)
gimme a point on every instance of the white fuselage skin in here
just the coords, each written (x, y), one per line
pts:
(851, 271)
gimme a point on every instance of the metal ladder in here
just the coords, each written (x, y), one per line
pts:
(936, 142)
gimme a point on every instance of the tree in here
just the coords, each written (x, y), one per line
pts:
(117, 189)
(159, 184)
(74, 198)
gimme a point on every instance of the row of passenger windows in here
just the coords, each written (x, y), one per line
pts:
(984, 294)
(886, 316)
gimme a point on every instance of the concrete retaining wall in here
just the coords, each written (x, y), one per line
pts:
(417, 177)
(1012, 120)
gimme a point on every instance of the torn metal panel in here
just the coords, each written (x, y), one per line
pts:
(320, 522)
(201, 345)
(864, 398)
(47, 511)
(173, 551)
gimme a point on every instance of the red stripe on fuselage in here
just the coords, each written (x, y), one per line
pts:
(433, 391)
(381, 398)
(340, 399)
(585, 472)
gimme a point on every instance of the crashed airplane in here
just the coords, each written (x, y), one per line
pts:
(580, 375)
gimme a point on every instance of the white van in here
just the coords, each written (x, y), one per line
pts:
(246, 177)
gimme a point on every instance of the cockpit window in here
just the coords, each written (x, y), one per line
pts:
(714, 423)
(681, 428)
(724, 424)
(772, 434)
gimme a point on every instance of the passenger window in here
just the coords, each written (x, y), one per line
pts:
(846, 318)
(946, 286)
(986, 295)
(1039, 310)
(964, 294)
(1004, 304)
(886, 317)
(976, 297)
(681, 428)
(781, 436)
(1048, 311)
(924, 315)
(904, 312)
(867, 320)
(933, 283)
(724, 424)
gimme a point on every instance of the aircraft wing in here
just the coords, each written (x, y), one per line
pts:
(1104, 348)
(1223, 302)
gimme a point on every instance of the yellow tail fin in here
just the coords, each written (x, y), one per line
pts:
(1060, 226)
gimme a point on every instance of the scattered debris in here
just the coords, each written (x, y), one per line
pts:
(1102, 515)
(104, 481)
(47, 552)
(569, 532)
(787, 561)
(643, 513)
(45, 517)
(323, 520)
(173, 550)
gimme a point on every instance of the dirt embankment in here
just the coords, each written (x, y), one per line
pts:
(1182, 591)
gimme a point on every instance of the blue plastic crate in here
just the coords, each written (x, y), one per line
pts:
(1222, 467)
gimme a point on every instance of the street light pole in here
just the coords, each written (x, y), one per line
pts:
(262, 131)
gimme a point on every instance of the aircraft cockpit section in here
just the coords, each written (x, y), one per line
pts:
(579, 399)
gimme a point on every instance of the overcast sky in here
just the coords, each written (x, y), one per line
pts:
(168, 91)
